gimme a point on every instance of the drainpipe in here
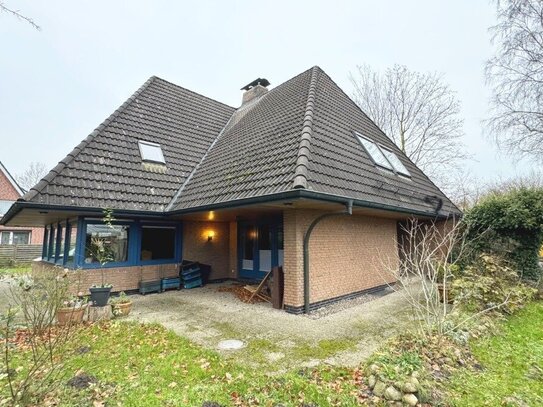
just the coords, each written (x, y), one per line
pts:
(347, 211)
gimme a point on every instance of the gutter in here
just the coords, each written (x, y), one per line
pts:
(281, 196)
(347, 211)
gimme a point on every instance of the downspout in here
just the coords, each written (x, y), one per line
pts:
(347, 211)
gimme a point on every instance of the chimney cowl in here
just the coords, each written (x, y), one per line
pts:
(254, 89)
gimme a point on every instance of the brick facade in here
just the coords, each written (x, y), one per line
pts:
(36, 234)
(122, 278)
(7, 191)
(216, 252)
(347, 255)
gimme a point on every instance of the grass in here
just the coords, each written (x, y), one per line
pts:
(138, 364)
(14, 270)
(512, 365)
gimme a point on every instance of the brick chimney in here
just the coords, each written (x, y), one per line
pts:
(256, 88)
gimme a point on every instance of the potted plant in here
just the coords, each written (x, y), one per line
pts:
(71, 311)
(100, 292)
(121, 305)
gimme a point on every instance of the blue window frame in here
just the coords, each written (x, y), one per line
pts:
(59, 249)
(51, 250)
(45, 242)
(125, 240)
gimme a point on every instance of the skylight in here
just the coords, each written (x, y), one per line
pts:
(395, 161)
(375, 153)
(151, 152)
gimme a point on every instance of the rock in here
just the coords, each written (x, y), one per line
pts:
(374, 368)
(392, 393)
(409, 387)
(371, 381)
(415, 381)
(379, 389)
(410, 399)
(415, 374)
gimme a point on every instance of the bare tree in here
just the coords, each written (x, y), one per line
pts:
(516, 76)
(32, 175)
(17, 13)
(418, 111)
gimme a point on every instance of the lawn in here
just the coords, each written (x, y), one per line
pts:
(137, 364)
(512, 365)
(14, 270)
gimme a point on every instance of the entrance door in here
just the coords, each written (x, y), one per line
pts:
(260, 248)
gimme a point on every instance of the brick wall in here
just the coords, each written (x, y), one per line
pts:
(7, 190)
(216, 253)
(36, 234)
(346, 254)
(122, 278)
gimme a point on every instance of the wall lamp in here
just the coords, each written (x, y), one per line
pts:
(210, 235)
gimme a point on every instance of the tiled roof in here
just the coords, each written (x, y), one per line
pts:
(106, 170)
(298, 136)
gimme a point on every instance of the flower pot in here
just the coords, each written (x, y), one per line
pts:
(122, 309)
(72, 315)
(100, 296)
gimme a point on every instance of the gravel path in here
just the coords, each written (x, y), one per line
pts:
(207, 316)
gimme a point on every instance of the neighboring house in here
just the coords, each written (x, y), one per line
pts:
(236, 188)
(10, 191)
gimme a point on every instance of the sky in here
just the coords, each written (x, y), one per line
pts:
(58, 84)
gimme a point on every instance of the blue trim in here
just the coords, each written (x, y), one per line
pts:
(45, 242)
(274, 224)
(134, 243)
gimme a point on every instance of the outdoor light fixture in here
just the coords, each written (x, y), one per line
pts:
(210, 235)
(211, 215)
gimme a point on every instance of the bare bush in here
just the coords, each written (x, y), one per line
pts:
(34, 348)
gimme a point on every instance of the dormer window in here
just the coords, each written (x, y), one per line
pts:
(151, 152)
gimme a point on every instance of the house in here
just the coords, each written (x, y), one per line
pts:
(188, 177)
(10, 191)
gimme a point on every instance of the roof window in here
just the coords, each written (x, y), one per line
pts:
(375, 153)
(151, 152)
(383, 157)
(395, 162)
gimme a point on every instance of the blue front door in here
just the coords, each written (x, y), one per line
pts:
(260, 248)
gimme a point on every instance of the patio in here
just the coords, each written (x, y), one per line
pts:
(343, 334)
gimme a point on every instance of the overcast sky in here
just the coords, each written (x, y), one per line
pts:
(58, 84)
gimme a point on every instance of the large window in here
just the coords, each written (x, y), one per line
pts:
(106, 244)
(52, 243)
(60, 245)
(14, 237)
(71, 233)
(157, 243)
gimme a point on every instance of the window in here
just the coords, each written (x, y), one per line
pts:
(72, 240)
(60, 245)
(395, 161)
(45, 243)
(105, 243)
(375, 152)
(151, 152)
(52, 243)
(157, 243)
(14, 237)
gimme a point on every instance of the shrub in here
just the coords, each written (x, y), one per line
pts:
(509, 225)
(490, 284)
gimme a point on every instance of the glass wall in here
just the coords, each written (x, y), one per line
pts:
(106, 243)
